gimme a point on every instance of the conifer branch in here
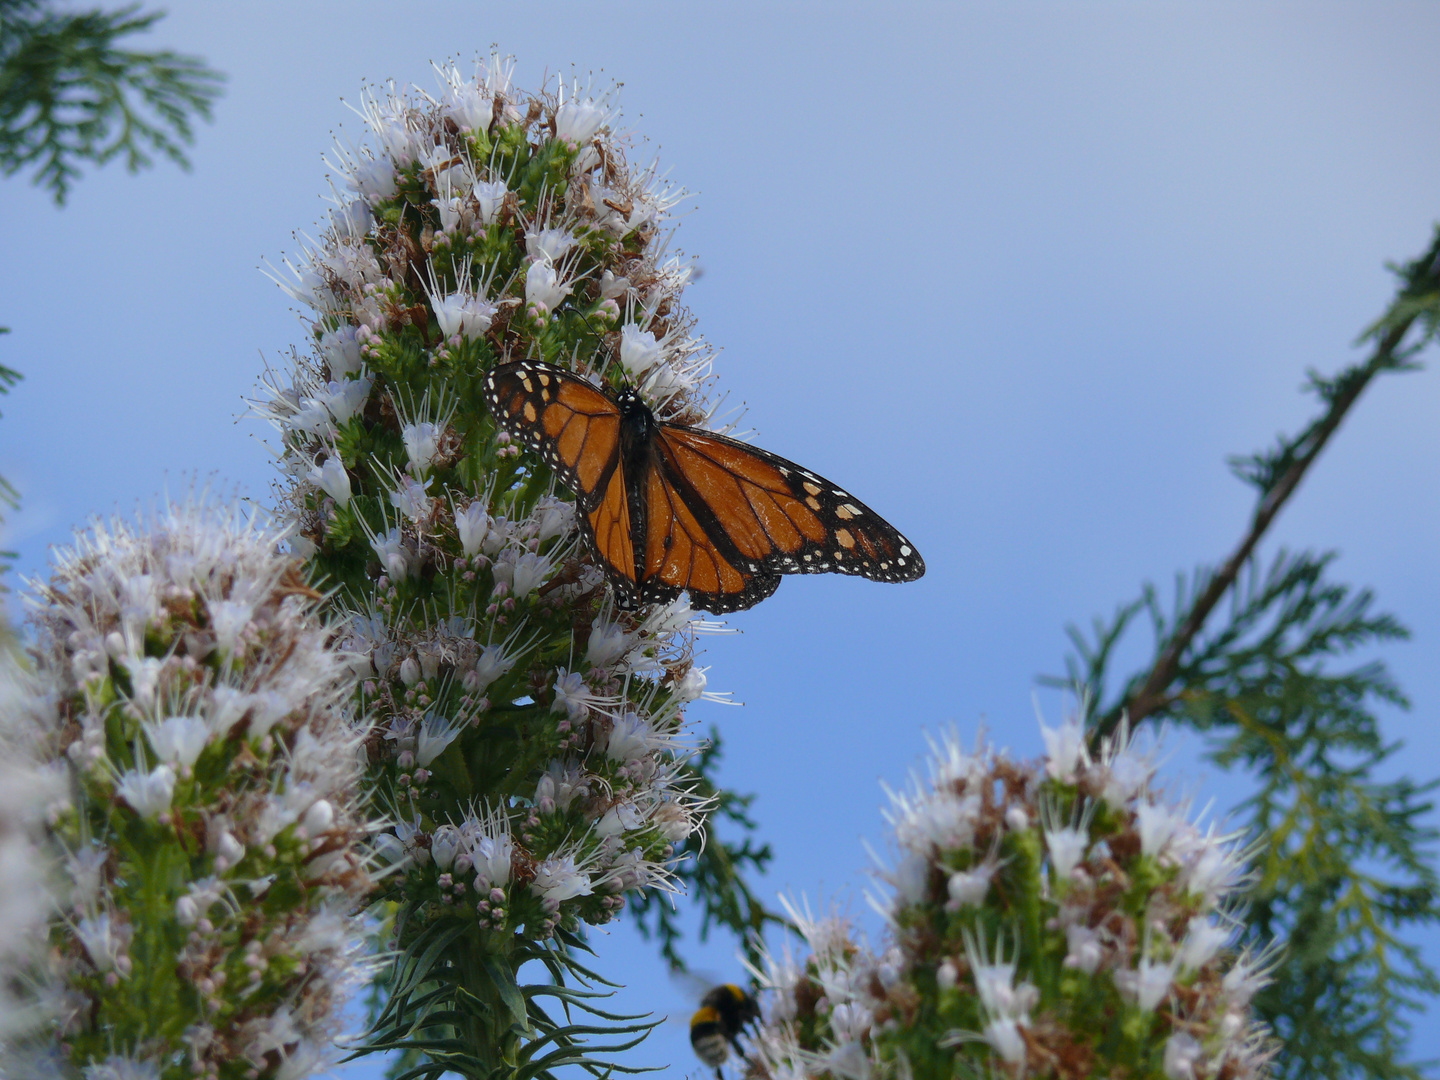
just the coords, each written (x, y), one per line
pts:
(1278, 473)
(1344, 861)
(69, 93)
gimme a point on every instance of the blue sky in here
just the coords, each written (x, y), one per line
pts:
(1018, 275)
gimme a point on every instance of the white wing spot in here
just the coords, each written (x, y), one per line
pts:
(904, 549)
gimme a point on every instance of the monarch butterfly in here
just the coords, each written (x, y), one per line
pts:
(666, 507)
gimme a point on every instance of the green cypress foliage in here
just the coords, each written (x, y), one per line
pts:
(69, 93)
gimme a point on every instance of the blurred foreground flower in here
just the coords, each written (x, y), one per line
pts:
(33, 789)
(1057, 919)
(207, 921)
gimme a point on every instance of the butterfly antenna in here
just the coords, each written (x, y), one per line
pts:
(599, 334)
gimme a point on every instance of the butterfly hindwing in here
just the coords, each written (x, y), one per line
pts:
(572, 425)
(682, 552)
(611, 537)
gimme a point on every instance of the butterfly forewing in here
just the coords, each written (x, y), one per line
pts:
(736, 495)
(572, 425)
(803, 523)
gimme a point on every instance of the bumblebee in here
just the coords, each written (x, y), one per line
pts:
(724, 1012)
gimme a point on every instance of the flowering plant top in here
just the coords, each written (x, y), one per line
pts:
(212, 851)
(1059, 919)
(530, 740)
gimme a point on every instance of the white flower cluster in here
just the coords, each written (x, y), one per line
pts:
(587, 230)
(531, 738)
(211, 867)
(818, 1011)
(1061, 919)
(605, 812)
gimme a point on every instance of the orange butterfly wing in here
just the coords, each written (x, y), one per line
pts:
(573, 426)
(682, 551)
(778, 516)
(612, 538)
(694, 510)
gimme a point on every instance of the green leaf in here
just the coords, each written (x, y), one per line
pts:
(70, 93)
(504, 982)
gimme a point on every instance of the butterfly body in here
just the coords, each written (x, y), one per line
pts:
(667, 508)
(637, 434)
